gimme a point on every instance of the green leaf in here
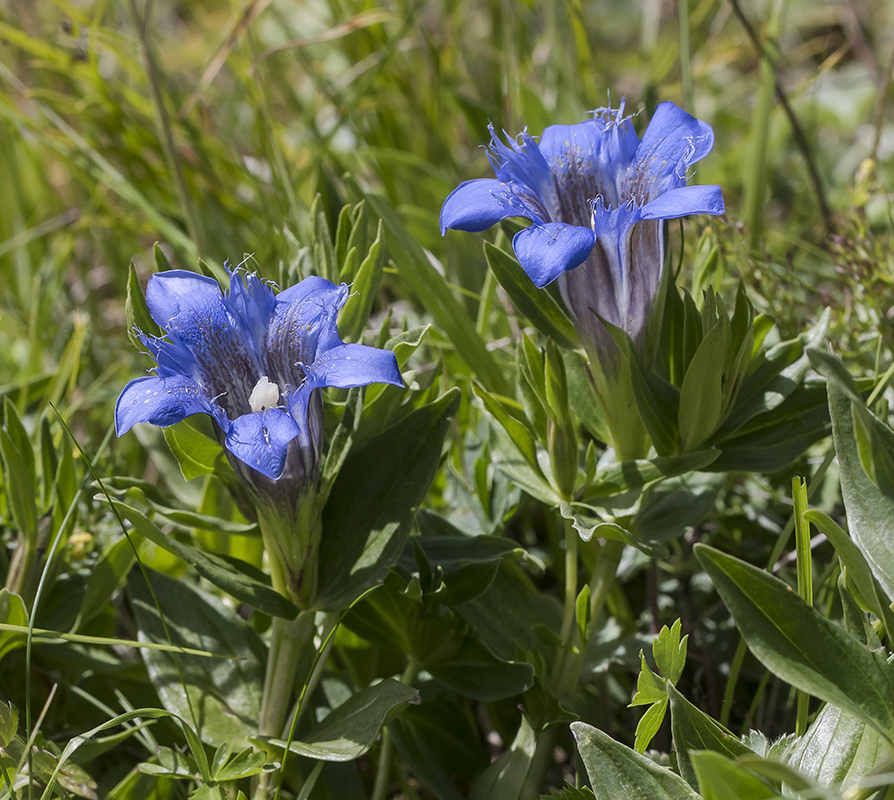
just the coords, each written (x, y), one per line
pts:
(771, 441)
(616, 771)
(226, 694)
(367, 517)
(838, 749)
(537, 305)
(9, 723)
(626, 476)
(721, 779)
(669, 651)
(136, 309)
(869, 510)
(517, 428)
(351, 729)
(196, 453)
(218, 570)
(505, 778)
(354, 315)
(701, 395)
(473, 671)
(12, 612)
(859, 575)
(105, 579)
(323, 249)
(648, 725)
(796, 643)
(693, 730)
(20, 489)
(244, 765)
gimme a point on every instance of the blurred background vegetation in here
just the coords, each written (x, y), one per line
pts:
(210, 127)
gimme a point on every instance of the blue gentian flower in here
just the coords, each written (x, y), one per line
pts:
(253, 361)
(596, 196)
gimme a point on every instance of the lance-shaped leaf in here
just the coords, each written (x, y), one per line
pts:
(869, 509)
(796, 643)
(367, 517)
(351, 729)
(616, 771)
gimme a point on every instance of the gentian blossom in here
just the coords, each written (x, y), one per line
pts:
(596, 196)
(252, 360)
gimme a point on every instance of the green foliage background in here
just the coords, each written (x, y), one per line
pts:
(210, 128)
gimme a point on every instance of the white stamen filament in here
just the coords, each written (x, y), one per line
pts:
(265, 395)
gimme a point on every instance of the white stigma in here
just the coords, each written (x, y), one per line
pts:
(265, 395)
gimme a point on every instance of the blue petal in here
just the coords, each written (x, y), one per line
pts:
(252, 302)
(311, 287)
(519, 163)
(546, 251)
(683, 201)
(349, 365)
(261, 440)
(303, 313)
(673, 142)
(162, 401)
(192, 309)
(176, 297)
(476, 205)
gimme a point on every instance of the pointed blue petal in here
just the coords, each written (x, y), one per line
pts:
(299, 320)
(520, 163)
(673, 142)
(350, 365)
(192, 309)
(176, 298)
(251, 301)
(476, 205)
(161, 401)
(261, 440)
(546, 251)
(312, 286)
(683, 201)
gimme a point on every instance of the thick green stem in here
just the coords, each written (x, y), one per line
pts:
(290, 642)
(603, 579)
(571, 537)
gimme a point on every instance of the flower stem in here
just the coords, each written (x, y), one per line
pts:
(603, 579)
(571, 538)
(290, 641)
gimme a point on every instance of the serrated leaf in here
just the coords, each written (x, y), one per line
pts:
(669, 651)
(648, 725)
